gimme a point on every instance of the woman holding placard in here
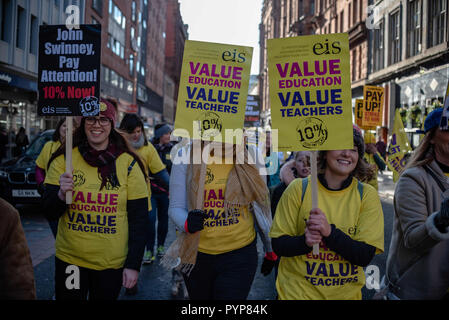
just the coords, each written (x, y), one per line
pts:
(348, 226)
(217, 203)
(101, 235)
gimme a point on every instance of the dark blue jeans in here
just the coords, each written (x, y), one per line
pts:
(159, 207)
(226, 276)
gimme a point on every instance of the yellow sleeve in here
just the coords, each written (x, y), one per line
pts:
(287, 212)
(155, 163)
(56, 169)
(44, 156)
(371, 220)
(137, 186)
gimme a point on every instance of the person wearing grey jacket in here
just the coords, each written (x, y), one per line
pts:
(418, 259)
(226, 256)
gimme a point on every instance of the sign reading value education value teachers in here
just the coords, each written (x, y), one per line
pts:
(69, 70)
(310, 92)
(213, 89)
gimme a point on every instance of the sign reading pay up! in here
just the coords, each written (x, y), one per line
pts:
(372, 106)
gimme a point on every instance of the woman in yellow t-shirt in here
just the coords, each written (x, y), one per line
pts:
(216, 248)
(134, 131)
(42, 160)
(101, 235)
(348, 226)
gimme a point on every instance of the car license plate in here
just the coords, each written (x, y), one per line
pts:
(25, 193)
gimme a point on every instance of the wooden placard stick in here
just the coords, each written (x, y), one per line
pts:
(68, 153)
(314, 184)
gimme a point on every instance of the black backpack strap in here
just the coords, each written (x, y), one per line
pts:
(131, 166)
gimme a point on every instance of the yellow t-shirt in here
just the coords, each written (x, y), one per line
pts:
(49, 148)
(152, 161)
(93, 232)
(328, 275)
(221, 234)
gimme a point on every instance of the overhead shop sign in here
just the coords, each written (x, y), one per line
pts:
(69, 70)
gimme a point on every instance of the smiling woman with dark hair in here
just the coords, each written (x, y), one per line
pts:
(102, 233)
(348, 225)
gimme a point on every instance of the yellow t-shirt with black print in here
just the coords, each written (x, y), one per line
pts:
(327, 275)
(221, 234)
(49, 148)
(93, 232)
(152, 161)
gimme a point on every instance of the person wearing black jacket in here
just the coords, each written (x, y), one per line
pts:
(101, 234)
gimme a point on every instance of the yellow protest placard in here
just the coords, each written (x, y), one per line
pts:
(213, 89)
(310, 92)
(359, 108)
(373, 104)
(398, 147)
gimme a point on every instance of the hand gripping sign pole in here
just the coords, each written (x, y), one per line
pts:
(314, 185)
(68, 153)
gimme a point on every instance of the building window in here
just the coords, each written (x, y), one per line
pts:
(34, 34)
(437, 22)
(131, 65)
(355, 12)
(342, 21)
(378, 56)
(21, 28)
(97, 5)
(114, 78)
(6, 22)
(414, 28)
(116, 46)
(117, 14)
(133, 11)
(395, 38)
(312, 7)
(300, 9)
(354, 64)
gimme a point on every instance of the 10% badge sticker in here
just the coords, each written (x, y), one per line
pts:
(210, 124)
(312, 132)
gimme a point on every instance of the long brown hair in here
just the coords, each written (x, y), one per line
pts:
(423, 154)
(115, 137)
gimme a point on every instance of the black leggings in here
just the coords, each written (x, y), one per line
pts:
(97, 285)
(226, 276)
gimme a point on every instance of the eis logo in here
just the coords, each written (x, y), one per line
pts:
(48, 110)
(233, 56)
(326, 47)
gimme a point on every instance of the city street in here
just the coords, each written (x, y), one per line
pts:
(155, 281)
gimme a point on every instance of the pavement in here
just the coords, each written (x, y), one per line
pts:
(386, 185)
